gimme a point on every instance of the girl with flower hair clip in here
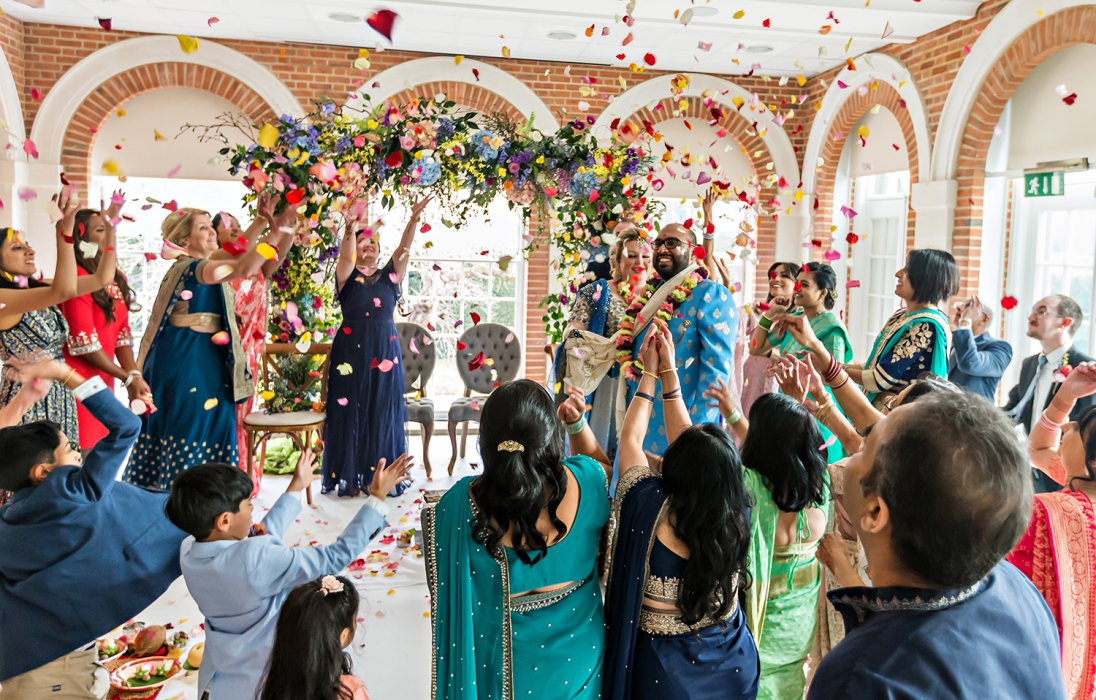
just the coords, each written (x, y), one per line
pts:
(316, 624)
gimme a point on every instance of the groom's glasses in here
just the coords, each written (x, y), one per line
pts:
(670, 243)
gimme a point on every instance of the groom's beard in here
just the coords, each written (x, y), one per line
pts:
(666, 271)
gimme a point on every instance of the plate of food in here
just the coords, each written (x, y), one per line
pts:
(111, 649)
(145, 673)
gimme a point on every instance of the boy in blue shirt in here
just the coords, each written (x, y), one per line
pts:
(240, 582)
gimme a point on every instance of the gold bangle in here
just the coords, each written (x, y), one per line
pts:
(643, 398)
(668, 369)
(65, 383)
(652, 376)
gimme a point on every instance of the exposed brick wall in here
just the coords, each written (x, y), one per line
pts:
(11, 41)
(90, 116)
(855, 107)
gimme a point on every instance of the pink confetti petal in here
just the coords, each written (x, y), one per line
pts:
(174, 171)
(411, 346)
(170, 251)
(851, 213)
(30, 149)
(221, 338)
(376, 302)
(26, 194)
(394, 277)
(826, 445)
(703, 178)
(385, 365)
(852, 284)
(212, 20)
(138, 407)
(831, 255)
(186, 295)
(341, 402)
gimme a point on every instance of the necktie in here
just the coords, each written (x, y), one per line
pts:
(1014, 414)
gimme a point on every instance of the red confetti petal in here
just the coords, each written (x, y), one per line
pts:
(852, 238)
(475, 318)
(620, 57)
(688, 223)
(1070, 98)
(36, 94)
(1009, 302)
(767, 23)
(649, 59)
(394, 160)
(475, 73)
(476, 362)
(460, 345)
(381, 21)
(763, 306)
(699, 253)
(294, 197)
(105, 23)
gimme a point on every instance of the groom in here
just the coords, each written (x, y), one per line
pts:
(704, 327)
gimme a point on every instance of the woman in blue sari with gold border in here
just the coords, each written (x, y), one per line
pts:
(678, 552)
(511, 558)
(917, 338)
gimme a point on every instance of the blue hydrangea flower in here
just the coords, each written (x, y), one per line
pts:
(481, 146)
(428, 169)
(582, 184)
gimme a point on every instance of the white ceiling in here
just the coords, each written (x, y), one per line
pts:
(484, 27)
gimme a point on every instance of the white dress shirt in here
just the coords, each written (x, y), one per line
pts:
(1045, 380)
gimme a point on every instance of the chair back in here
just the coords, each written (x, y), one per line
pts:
(497, 343)
(272, 368)
(417, 355)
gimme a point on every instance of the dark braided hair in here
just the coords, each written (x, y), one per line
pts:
(101, 297)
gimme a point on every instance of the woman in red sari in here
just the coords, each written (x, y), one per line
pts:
(99, 341)
(1058, 551)
(252, 298)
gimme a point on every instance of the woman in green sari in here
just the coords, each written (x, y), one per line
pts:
(511, 560)
(787, 479)
(815, 296)
(917, 338)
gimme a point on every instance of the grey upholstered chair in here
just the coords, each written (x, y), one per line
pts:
(418, 367)
(498, 344)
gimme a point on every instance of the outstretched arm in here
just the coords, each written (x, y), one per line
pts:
(399, 257)
(630, 453)
(16, 302)
(581, 438)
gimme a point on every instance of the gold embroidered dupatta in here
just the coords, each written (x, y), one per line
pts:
(170, 288)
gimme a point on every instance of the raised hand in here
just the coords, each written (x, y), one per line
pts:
(117, 199)
(649, 352)
(419, 205)
(1080, 382)
(302, 475)
(710, 198)
(799, 326)
(388, 477)
(724, 271)
(69, 204)
(792, 380)
(573, 408)
(666, 349)
(721, 397)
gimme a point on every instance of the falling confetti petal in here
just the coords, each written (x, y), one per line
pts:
(105, 23)
(341, 402)
(767, 23)
(30, 149)
(344, 369)
(1070, 98)
(740, 14)
(649, 59)
(138, 407)
(174, 171)
(385, 365)
(26, 194)
(36, 94)
(210, 403)
(852, 284)
(221, 338)
(847, 211)
(187, 43)
(212, 20)
(266, 250)
(1009, 302)
(382, 22)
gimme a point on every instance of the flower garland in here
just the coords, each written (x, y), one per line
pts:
(633, 367)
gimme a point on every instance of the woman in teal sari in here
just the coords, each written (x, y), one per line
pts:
(511, 560)
(815, 296)
(917, 338)
(787, 479)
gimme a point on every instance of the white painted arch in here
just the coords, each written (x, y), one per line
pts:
(1009, 24)
(437, 69)
(884, 69)
(81, 80)
(720, 90)
(11, 110)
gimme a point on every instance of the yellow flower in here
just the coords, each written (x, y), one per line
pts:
(540, 159)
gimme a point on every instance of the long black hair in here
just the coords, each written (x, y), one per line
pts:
(825, 279)
(101, 296)
(516, 485)
(702, 476)
(784, 446)
(7, 281)
(307, 658)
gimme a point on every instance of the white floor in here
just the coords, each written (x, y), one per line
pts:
(391, 651)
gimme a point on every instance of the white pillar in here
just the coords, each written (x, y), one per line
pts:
(33, 218)
(791, 231)
(934, 203)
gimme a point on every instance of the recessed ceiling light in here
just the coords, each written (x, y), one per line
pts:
(344, 17)
(705, 11)
(758, 49)
(561, 35)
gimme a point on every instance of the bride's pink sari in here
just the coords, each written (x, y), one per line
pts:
(1058, 554)
(251, 312)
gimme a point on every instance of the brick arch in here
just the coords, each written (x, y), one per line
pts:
(741, 130)
(1075, 25)
(538, 265)
(93, 112)
(852, 110)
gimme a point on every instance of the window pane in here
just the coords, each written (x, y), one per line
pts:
(503, 312)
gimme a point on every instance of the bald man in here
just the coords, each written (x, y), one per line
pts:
(704, 328)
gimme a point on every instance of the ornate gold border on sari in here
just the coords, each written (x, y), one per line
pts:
(168, 295)
(1072, 533)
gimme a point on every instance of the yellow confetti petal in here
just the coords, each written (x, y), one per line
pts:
(801, 79)
(210, 403)
(345, 369)
(267, 251)
(158, 136)
(187, 43)
(740, 14)
(863, 131)
(457, 60)
(848, 44)
(506, 52)
(268, 136)
(426, 614)
(267, 395)
(110, 167)
(121, 113)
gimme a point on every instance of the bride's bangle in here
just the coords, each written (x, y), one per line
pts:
(765, 323)
(576, 427)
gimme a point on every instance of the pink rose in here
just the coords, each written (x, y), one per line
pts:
(407, 142)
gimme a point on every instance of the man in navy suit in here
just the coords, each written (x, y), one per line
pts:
(80, 553)
(1053, 321)
(977, 360)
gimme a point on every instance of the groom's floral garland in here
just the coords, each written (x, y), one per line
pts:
(633, 368)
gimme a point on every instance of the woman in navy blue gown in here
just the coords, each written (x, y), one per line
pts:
(365, 404)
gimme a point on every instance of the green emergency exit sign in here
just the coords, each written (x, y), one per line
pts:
(1045, 184)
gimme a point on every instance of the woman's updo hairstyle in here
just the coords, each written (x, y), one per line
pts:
(521, 443)
(825, 279)
(179, 224)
